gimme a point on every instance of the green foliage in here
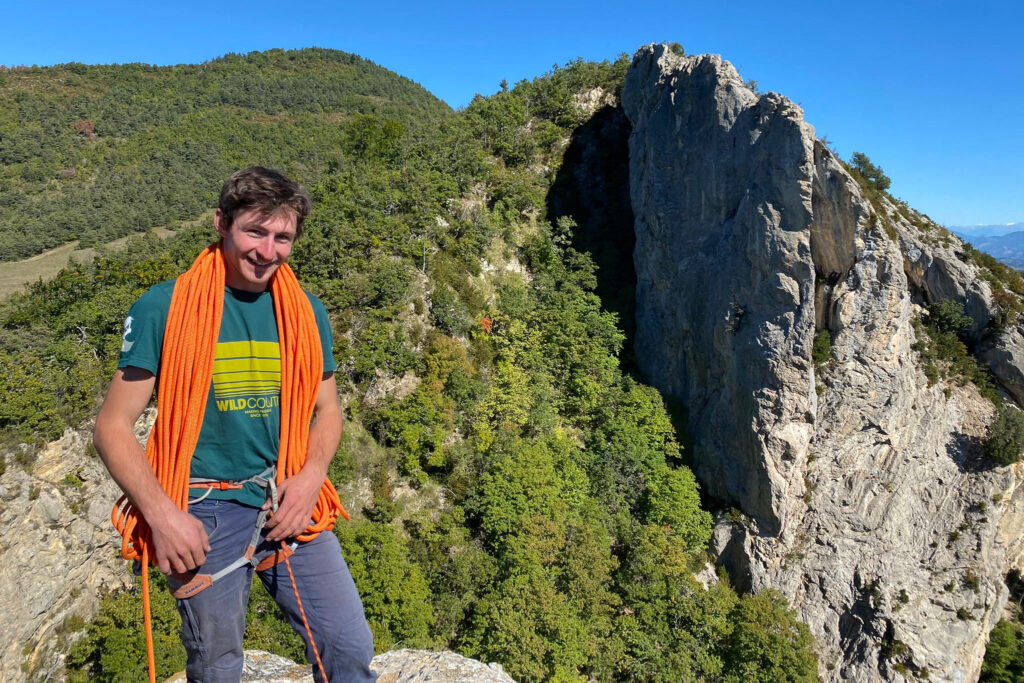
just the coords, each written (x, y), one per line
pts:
(267, 629)
(821, 351)
(768, 644)
(28, 407)
(947, 317)
(394, 592)
(1004, 656)
(457, 567)
(670, 628)
(111, 150)
(419, 424)
(114, 646)
(943, 354)
(369, 137)
(998, 273)
(673, 501)
(59, 341)
(860, 163)
(1006, 282)
(1005, 440)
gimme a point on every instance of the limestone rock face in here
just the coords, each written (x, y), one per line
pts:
(725, 278)
(60, 553)
(397, 666)
(868, 501)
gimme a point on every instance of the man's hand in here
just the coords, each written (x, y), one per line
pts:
(180, 540)
(297, 497)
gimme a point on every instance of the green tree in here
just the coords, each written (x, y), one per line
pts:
(768, 644)
(673, 500)
(948, 316)
(869, 171)
(1005, 440)
(1004, 656)
(396, 598)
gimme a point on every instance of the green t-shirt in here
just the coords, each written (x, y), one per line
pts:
(240, 434)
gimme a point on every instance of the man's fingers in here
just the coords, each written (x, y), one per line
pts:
(285, 525)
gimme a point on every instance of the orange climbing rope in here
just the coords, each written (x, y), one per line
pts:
(186, 369)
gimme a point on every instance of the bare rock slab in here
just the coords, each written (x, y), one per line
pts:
(397, 666)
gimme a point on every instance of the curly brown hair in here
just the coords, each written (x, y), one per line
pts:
(266, 190)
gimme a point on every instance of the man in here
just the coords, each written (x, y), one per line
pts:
(234, 327)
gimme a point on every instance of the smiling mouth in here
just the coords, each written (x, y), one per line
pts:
(257, 264)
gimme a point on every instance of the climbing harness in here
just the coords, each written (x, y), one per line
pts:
(186, 370)
(194, 584)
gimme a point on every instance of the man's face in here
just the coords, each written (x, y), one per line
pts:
(255, 246)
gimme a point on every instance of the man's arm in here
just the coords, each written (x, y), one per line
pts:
(298, 494)
(179, 538)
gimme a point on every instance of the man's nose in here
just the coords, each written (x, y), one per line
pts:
(265, 249)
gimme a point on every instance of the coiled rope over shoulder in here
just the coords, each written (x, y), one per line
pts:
(186, 369)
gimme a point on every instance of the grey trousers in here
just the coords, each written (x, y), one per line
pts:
(213, 621)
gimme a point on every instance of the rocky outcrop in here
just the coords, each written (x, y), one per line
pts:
(397, 666)
(868, 502)
(725, 278)
(60, 552)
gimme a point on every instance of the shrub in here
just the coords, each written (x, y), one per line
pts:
(821, 352)
(944, 355)
(1005, 440)
(948, 316)
(114, 646)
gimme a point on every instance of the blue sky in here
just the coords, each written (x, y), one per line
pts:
(932, 91)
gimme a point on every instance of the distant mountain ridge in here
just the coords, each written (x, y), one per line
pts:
(975, 231)
(1005, 242)
(1007, 248)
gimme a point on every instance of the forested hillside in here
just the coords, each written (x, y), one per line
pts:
(98, 152)
(521, 498)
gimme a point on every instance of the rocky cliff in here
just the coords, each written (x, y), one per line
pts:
(59, 550)
(866, 499)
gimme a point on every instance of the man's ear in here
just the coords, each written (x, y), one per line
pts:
(218, 222)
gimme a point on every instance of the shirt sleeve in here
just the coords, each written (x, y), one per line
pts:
(143, 336)
(323, 325)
